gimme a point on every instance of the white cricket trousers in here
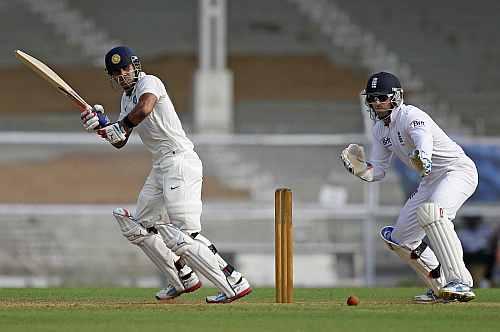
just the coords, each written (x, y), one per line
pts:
(172, 192)
(449, 190)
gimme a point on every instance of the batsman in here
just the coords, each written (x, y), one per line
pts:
(166, 223)
(448, 178)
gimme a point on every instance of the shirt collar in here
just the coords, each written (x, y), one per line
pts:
(393, 115)
(141, 75)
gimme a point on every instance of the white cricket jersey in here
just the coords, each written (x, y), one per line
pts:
(411, 128)
(161, 131)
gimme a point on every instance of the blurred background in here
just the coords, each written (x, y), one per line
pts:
(268, 90)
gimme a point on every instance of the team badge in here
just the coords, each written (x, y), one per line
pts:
(386, 141)
(115, 59)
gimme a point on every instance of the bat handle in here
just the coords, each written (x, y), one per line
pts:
(85, 107)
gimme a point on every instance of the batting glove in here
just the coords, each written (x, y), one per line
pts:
(113, 133)
(421, 162)
(94, 118)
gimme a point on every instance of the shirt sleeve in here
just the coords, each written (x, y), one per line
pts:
(380, 159)
(420, 132)
(150, 84)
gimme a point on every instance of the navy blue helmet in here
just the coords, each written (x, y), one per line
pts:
(121, 57)
(382, 83)
(381, 87)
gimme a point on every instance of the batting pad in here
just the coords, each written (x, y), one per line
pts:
(234, 276)
(126, 222)
(196, 255)
(426, 269)
(151, 244)
(154, 247)
(445, 242)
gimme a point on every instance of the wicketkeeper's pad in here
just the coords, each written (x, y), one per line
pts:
(444, 241)
(429, 273)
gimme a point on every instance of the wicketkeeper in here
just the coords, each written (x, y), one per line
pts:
(448, 178)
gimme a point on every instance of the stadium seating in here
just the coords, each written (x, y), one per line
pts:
(32, 35)
(448, 43)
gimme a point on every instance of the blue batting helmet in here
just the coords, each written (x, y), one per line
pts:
(120, 57)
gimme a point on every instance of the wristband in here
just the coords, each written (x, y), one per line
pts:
(128, 123)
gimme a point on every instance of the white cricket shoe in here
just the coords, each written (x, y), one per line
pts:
(457, 291)
(428, 297)
(241, 288)
(431, 297)
(190, 285)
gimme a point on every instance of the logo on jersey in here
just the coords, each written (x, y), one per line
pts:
(386, 141)
(413, 194)
(115, 59)
(417, 124)
(400, 138)
(134, 99)
(374, 82)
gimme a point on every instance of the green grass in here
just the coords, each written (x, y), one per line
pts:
(131, 309)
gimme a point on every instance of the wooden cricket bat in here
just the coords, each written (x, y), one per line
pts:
(50, 76)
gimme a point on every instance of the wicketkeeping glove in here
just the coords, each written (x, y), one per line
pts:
(354, 159)
(94, 118)
(421, 162)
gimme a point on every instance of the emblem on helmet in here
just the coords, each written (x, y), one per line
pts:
(115, 59)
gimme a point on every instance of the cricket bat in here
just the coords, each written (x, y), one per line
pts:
(50, 76)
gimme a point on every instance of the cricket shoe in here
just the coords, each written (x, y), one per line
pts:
(430, 297)
(190, 285)
(457, 291)
(241, 288)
